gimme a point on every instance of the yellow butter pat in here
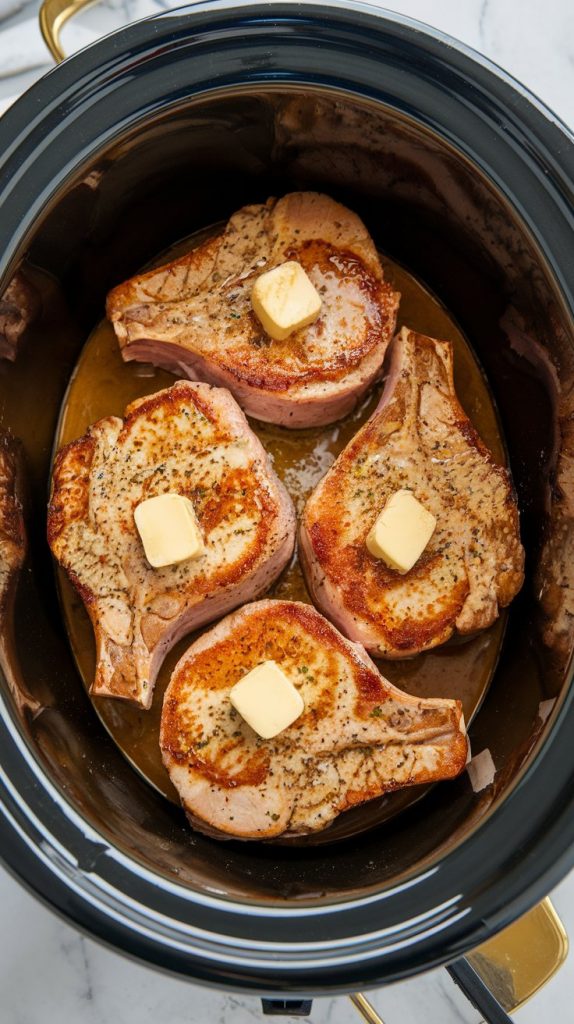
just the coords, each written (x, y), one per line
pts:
(168, 529)
(284, 300)
(267, 700)
(401, 532)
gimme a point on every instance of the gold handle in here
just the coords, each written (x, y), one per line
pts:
(53, 16)
(366, 1009)
(518, 961)
(514, 965)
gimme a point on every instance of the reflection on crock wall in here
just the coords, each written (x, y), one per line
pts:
(554, 579)
(556, 574)
(19, 305)
(12, 555)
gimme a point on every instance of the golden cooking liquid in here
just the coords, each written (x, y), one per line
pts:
(102, 385)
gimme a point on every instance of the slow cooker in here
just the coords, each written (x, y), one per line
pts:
(467, 180)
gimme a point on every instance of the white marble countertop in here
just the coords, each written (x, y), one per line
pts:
(48, 973)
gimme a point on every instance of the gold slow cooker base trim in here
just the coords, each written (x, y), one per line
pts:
(514, 965)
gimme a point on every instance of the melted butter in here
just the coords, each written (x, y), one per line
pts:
(102, 385)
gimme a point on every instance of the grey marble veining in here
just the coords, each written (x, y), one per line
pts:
(51, 975)
(48, 973)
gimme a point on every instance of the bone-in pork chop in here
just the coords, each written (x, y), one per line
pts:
(419, 439)
(358, 737)
(194, 315)
(193, 440)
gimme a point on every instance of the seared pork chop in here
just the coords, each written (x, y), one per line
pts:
(194, 440)
(194, 315)
(358, 737)
(418, 438)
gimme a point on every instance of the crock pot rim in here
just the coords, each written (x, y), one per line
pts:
(472, 919)
(59, 84)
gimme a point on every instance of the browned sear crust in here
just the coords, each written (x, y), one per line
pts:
(193, 440)
(195, 313)
(358, 737)
(418, 438)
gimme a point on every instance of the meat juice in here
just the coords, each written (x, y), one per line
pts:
(103, 385)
